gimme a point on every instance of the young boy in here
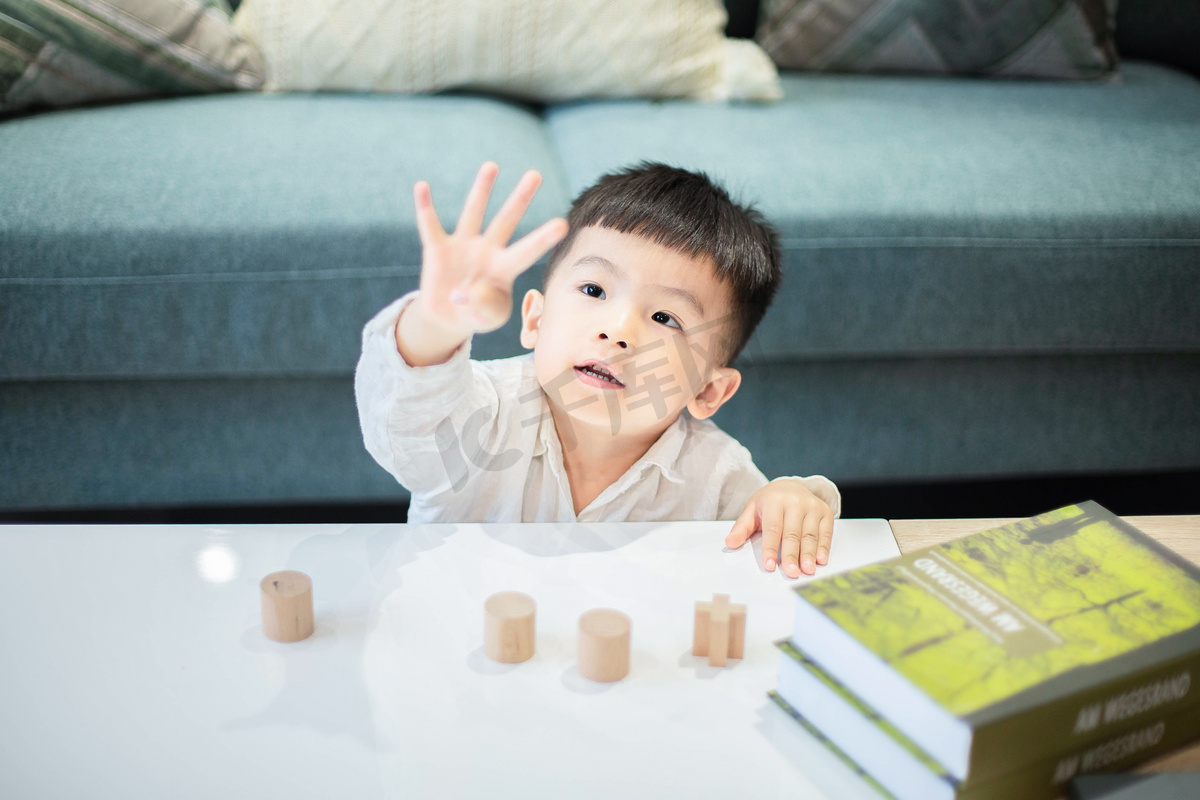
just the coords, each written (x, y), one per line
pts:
(655, 283)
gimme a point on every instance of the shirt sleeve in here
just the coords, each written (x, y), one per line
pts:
(403, 410)
(739, 485)
(823, 488)
(741, 479)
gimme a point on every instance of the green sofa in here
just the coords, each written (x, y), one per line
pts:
(982, 278)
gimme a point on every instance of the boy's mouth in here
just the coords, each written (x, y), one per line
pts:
(597, 371)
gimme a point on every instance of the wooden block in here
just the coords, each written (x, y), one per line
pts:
(604, 635)
(737, 631)
(719, 630)
(509, 627)
(287, 606)
(700, 630)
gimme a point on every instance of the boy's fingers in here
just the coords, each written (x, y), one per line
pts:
(471, 218)
(522, 253)
(428, 226)
(772, 533)
(790, 555)
(743, 528)
(808, 544)
(501, 228)
(825, 538)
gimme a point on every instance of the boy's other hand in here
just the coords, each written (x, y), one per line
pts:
(467, 276)
(796, 525)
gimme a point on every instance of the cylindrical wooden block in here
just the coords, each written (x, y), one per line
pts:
(287, 606)
(508, 628)
(604, 645)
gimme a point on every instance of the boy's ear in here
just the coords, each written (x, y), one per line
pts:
(722, 385)
(531, 318)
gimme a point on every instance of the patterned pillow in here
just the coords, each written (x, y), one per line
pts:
(996, 38)
(65, 52)
(541, 50)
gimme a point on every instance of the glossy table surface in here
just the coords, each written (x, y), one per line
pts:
(132, 664)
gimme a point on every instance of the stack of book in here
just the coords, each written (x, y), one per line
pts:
(1002, 664)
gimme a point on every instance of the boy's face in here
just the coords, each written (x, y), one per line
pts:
(657, 319)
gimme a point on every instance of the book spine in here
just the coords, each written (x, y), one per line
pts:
(837, 752)
(1084, 718)
(1135, 744)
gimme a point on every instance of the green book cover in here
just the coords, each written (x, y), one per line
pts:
(1029, 633)
(1048, 778)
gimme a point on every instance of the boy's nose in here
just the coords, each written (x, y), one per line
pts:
(623, 344)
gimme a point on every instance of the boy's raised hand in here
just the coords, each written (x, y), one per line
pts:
(467, 276)
(796, 525)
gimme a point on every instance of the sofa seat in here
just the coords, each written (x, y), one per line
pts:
(233, 234)
(948, 216)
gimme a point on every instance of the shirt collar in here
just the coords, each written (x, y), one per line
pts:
(664, 453)
(545, 429)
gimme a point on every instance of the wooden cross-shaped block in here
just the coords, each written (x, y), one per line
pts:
(720, 630)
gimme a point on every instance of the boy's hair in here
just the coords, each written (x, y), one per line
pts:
(685, 211)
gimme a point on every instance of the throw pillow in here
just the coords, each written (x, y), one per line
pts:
(539, 50)
(997, 38)
(66, 52)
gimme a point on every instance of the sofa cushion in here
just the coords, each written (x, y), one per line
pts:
(234, 234)
(80, 51)
(535, 49)
(1160, 30)
(947, 215)
(1010, 38)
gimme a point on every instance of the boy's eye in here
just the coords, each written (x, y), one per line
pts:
(592, 290)
(666, 319)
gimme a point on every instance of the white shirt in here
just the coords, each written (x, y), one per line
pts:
(474, 441)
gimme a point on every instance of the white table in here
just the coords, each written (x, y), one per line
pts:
(133, 665)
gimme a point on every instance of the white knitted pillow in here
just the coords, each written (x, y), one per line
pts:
(541, 50)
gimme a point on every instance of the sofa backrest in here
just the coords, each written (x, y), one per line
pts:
(1166, 31)
(743, 18)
